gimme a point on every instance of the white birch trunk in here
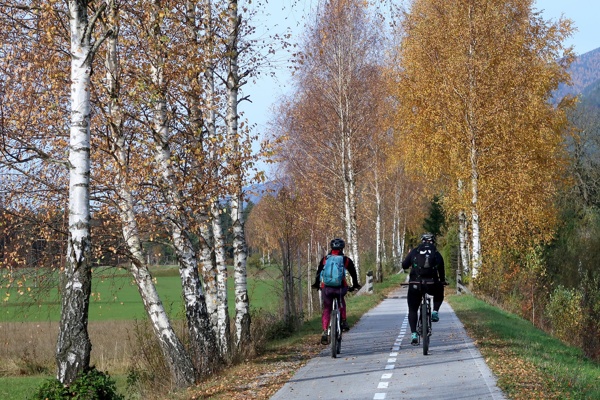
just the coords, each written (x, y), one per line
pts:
(463, 237)
(379, 275)
(472, 126)
(395, 234)
(207, 266)
(402, 243)
(223, 323)
(476, 249)
(353, 222)
(309, 279)
(240, 251)
(73, 345)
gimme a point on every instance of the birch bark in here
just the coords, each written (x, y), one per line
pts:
(73, 346)
(240, 250)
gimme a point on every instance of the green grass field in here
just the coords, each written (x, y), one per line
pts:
(115, 297)
(33, 316)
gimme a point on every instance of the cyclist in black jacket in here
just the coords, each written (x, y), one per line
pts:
(329, 293)
(432, 270)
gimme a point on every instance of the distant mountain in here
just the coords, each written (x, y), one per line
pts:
(585, 74)
(590, 96)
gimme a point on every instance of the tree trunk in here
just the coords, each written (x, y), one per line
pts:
(240, 250)
(379, 275)
(476, 249)
(73, 346)
(223, 322)
(463, 239)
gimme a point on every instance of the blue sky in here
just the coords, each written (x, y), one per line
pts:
(277, 16)
(584, 13)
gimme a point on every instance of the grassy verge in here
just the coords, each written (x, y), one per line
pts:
(528, 362)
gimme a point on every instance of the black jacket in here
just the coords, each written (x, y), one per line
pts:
(438, 272)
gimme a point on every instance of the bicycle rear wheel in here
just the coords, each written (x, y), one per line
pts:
(339, 339)
(333, 332)
(425, 327)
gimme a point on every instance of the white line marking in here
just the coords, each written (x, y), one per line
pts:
(386, 376)
(379, 396)
(383, 385)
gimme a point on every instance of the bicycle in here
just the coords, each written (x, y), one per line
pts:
(335, 329)
(424, 319)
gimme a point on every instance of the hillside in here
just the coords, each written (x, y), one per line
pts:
(585, 74)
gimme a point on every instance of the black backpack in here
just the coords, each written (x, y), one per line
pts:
(424, 261)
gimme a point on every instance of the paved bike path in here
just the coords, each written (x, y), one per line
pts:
(378, 362)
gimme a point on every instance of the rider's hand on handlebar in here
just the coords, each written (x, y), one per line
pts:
(353, 288)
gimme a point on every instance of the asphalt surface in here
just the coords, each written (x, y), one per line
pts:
(378, 362)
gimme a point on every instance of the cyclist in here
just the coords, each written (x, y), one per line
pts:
(328, 293)
(426, 263)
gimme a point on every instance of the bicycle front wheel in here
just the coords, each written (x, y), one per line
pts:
(333, 333)
(425, 327)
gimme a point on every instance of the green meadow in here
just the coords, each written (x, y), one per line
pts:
(29, 319)
(115, 296)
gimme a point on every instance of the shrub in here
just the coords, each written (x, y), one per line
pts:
(565, 314)
(90, 385)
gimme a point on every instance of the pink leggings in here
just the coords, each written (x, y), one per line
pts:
(327, 295)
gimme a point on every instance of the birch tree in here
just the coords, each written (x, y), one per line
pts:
(332, 119)
(176, 356)
(475, 83)
(201, 334)
(240, 249)
(217, 236)
(73, 346)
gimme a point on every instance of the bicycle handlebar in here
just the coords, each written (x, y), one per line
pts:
(422, 283)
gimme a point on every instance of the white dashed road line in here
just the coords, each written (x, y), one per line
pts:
(391, 361)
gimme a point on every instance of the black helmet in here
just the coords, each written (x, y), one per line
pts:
(337, 244)
(428, 238)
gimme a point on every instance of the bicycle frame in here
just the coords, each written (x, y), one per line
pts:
(424, 317)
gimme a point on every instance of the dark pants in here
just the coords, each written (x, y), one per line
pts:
(414, 301)
(327, 296)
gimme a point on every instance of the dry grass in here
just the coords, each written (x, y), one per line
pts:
(28, 348)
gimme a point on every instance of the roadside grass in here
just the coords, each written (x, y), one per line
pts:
(529, 363)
